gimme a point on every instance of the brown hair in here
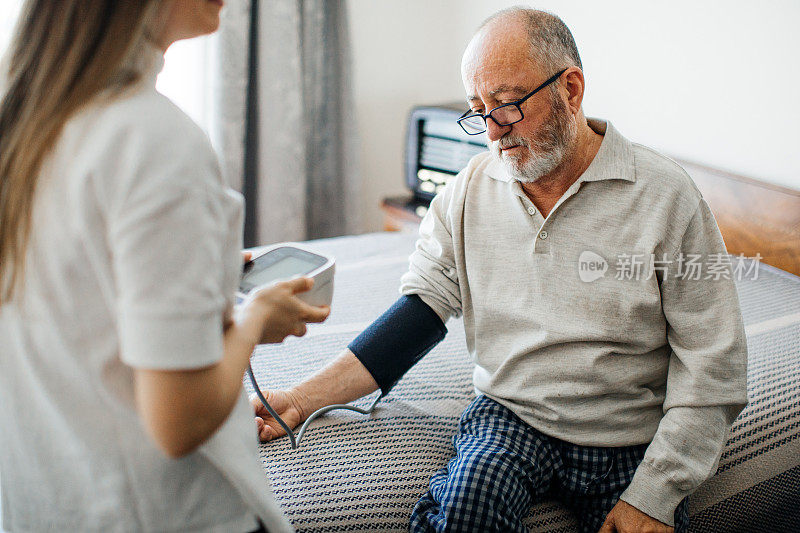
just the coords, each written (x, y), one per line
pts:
(64, 53)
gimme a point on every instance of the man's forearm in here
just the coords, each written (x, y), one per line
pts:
(390, 346)
(343, 380)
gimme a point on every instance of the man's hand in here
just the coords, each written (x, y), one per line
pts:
(343, 380)
(625, 518)
(287, 404)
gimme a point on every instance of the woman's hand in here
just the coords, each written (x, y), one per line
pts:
(288, 405)
(273, 313)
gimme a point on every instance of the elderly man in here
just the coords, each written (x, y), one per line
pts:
(612, 393)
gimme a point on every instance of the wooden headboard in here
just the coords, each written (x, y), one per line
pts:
(754, 217)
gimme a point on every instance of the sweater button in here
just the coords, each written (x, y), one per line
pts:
(543, 235)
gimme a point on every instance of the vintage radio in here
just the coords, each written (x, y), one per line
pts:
(437, 148)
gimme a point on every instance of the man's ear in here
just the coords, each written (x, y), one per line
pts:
(574, 84)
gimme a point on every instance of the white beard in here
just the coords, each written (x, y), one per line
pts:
(545, 153)
(538, 164)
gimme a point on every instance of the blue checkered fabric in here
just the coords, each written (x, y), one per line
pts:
(503, 466)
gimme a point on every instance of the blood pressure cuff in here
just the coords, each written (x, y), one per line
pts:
(399, 338)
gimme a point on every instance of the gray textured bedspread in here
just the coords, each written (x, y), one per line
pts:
(364, 473)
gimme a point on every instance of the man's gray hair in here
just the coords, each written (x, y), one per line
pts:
(552, 44)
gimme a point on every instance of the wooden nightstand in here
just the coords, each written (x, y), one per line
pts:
(403, 213)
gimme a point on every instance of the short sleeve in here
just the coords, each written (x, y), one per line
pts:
(167, 234)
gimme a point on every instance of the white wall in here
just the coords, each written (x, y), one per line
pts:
(9, 11)
(711, 81)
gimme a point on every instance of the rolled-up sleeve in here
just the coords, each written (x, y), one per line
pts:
(706, 381)
(432, 273)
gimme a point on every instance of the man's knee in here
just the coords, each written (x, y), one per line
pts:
(486, 483)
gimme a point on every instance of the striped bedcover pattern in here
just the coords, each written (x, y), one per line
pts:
(364, 473)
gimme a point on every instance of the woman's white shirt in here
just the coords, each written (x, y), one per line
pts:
(133, 261)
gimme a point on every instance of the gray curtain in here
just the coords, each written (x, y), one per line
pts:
(283, 121)
(228, 83)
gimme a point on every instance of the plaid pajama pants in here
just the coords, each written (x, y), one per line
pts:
(503, 466)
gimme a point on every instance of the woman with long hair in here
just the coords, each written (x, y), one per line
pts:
(121, 356)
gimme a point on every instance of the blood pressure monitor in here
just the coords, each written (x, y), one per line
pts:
(283, 262)
(287, 261)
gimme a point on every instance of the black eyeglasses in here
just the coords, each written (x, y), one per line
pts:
(503, 115)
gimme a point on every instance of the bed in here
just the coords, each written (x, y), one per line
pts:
(364, 473)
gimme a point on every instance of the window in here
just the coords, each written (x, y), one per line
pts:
(183, 80)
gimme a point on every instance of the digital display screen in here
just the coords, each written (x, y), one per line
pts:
(285, 268)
